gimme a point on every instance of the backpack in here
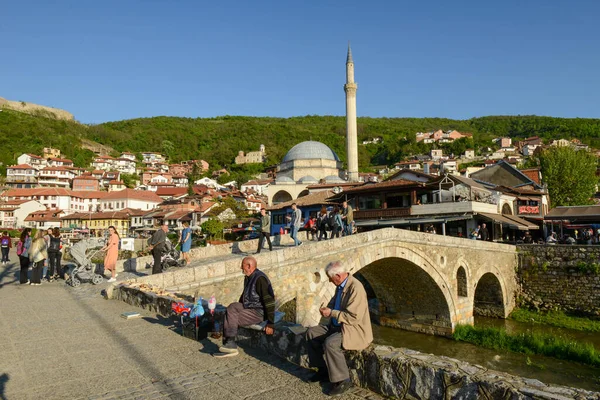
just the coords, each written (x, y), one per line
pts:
(20, 248)
(54, 246)
(331, 221)
(5, 241)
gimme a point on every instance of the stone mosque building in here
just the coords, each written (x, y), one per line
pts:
(310, 163)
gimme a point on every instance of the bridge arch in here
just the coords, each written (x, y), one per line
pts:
(412, 291)
(489, 295)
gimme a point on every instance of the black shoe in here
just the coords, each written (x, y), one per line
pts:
(340, 388)
(317, 377)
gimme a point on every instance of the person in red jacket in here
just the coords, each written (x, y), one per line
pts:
(6, 245)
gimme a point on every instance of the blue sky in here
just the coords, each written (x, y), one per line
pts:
(111, 60)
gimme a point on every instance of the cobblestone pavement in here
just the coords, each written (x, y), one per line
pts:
(60, 342)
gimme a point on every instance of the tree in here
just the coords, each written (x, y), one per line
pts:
(570, 175)
(213, 227)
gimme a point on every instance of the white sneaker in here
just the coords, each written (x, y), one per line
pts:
(116, 275)
(112, 280)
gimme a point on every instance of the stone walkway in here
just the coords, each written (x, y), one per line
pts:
(60, 342)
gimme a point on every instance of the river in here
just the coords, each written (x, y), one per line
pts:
(545, 369)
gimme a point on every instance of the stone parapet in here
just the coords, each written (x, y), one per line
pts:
(563, 277)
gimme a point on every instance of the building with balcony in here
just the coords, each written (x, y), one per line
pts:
(59, 162)
(55, 177)
(50, 152)
(21, 176)
(130, 198)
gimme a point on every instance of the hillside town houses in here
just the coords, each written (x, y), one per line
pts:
(454, 192)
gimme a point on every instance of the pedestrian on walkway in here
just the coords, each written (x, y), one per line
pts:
(112, 252)
(347, 218)
(157, 247)
(47, 237)
(296, 223)
(23, 252)
(322, 219)
(265, 230)
(349, 328)
(257, 304)
(336, 219)
(6, 245)
(54, 256)
(185, 240)
(37, 255)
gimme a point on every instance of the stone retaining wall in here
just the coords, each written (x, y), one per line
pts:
(403, 373)
(564, 277)
(394, 372)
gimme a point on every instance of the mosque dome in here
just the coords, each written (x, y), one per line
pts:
(310, 150)
(333, 179)
(308, 179)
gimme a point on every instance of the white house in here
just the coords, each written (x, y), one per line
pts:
(128, 155)
(36, 162)
(45, 219)
(449, 166)
(130, 198)
(14, 212)
(529, 149)
(436, 154)
(260, 186)
(211, 183)
(21, 176)
(55, 177)
(53, 198)
(469, 154)
(59, 162)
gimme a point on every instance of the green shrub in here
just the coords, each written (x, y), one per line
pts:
(556, 318)
(529, 343)
(586, 268)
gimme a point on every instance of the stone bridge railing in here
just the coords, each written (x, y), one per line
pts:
(298, 273)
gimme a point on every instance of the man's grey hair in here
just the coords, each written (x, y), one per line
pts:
(335, 268)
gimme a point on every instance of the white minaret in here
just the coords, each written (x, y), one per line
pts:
(351, 138)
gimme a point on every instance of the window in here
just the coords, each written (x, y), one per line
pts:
(369, 203)
(397, 200)
(278, 219)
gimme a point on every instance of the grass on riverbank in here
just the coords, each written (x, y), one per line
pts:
(556, 318)
(529, 343)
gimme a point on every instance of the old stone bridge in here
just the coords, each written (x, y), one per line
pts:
(416, 281)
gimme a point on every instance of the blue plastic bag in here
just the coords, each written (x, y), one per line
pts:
(198, 309)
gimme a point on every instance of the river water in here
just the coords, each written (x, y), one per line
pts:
(545, 369)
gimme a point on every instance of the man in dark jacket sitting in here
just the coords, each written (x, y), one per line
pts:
(256, 304)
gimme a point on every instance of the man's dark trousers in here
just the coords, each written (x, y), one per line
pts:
(325, 351)
(157, 267)
(237, 316)
(261, 240)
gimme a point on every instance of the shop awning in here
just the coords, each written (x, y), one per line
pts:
(510, 220)
(413, 221)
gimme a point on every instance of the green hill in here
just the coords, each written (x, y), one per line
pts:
(217, 140)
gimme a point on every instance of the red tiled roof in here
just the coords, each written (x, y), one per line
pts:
(44, 215)
(171, 191)
(134, 194)
(115, 182)
(37, 192)
(21, 166)
(64, 160)
(35, 156)
(87, 177)
(204, 206)
(533, 174)
(88, 194)
(59, 168)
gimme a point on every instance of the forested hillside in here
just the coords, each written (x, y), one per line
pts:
(217, 140)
